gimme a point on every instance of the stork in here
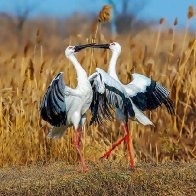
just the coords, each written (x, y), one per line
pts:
(141, 94)
(63, 106)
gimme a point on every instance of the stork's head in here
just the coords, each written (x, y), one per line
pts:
(114, 47)
(71, 50)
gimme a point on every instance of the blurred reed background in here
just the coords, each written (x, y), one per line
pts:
(31, 57)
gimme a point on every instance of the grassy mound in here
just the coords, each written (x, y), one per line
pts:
(104, 179)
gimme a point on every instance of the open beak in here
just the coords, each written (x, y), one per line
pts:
(81, 47)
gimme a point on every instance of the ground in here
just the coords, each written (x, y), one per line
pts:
(105, 178)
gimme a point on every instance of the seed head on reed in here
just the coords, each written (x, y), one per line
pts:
(38, 36)
(26, 49)
(105, 14)
(25, 80)
(31, 70)
(191, 12)
(132, 70)
(175, 21)
(162, 20)
(42, 67)
(174, 47)
(191, 43)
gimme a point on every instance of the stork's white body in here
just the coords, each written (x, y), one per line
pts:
(63, 106)
(130, 89)
(77, 101)
(80, 98)
(143, 94)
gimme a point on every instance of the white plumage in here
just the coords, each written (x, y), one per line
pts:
(143, 94)
(63, 106)
(138, 84)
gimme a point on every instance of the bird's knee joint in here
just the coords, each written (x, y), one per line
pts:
(77, 144)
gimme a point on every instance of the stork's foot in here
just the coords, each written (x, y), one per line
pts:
(82, 168)
(132, 164)
(85, 168)
(132, 167)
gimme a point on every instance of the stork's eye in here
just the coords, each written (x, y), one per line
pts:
(70, 47)
(113, 44)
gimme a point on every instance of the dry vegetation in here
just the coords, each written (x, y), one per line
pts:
(27, 67)
(103, 179)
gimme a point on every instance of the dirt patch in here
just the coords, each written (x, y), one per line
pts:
(104, 179)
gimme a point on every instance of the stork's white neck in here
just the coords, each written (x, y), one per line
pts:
(112, 65)
(81, 73)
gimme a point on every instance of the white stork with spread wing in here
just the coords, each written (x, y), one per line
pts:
(140, 95)
(63, 106)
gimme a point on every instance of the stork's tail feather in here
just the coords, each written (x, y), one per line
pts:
(169, 105)
(139, 115)
(56, 132)
(162, 96)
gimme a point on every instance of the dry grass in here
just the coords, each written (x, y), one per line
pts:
(103, 179)
(26, 75)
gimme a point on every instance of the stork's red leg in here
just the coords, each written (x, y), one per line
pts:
(77, 142)
(127, 140)
(107, 154)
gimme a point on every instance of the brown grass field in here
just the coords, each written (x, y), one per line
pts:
(28, 63)
(106, 178)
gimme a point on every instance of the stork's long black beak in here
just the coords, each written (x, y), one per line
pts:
(106, 46)
(80, 47)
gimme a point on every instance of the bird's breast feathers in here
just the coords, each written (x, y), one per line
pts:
(86, 99)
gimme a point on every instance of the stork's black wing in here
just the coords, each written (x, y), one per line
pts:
(53, 107)
(108, 94)
(148, 94)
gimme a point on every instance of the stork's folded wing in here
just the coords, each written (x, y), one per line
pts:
(107, 94)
